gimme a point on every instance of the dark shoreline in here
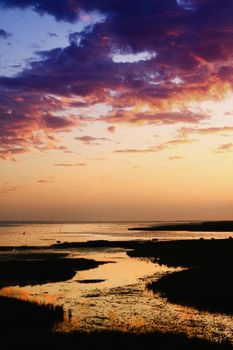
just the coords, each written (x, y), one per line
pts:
(209, 226)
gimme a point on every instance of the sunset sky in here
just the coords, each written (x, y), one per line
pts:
(116, 109)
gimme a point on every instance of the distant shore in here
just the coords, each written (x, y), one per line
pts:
(209, 226)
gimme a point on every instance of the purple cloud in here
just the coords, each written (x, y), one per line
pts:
(188, 50)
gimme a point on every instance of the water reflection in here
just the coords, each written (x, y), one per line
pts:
(39, 234)
(119, 299)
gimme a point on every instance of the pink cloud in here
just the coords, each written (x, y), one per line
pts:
(69, 164)
(178, 142)
(226, 147)
(206, 131)
(130, 117)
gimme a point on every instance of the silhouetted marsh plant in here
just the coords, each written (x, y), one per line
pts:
(17, 314)
(109, 340)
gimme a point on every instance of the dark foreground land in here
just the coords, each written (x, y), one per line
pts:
(27, 325)
(205, 226)
(21, 315)
(205, 283)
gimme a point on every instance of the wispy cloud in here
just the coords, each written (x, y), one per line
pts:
(132, 117)
(9, 189)
(134, 150)
(70, 164)
(175, 157)
(46, 180)
(178, 142)
(158, 147)
(226, 147)
(206, 131)
(152, 149)
(88, 140)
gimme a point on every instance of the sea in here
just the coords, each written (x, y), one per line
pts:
(119, 299)
(16, 233)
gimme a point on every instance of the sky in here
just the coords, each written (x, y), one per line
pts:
(116, 110)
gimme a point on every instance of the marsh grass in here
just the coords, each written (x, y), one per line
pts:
(18, 315)
(113, 340)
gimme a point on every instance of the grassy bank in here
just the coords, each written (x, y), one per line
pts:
(25, 316)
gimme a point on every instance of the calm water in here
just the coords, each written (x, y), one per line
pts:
(46, 234)
(119, 300)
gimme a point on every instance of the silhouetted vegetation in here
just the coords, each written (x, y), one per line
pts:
(29, 325)
(205, 226)
(109, 340)
(206, 284)
(188, 253)
(20, 315)
(203, 288)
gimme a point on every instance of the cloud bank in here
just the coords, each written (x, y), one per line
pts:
(187, 55)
